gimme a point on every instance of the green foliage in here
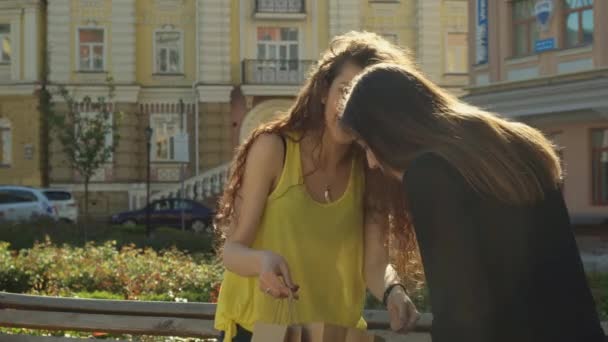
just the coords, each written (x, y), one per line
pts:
(25, 235)
(83, 137)
(599, 287)
(103, 271)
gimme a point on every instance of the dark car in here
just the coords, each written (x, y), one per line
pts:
(167, 213)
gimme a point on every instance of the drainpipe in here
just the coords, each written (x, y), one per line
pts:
(195, 92)
(196, 129)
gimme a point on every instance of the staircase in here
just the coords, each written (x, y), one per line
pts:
(203, 188)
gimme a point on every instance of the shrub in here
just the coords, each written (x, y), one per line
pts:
(599, 287)
(105, 270)
(25, 235)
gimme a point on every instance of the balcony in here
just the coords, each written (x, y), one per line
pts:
(280, 9)
(275, 72)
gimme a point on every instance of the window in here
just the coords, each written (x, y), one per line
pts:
(579, 22)
(7, 197)
(87, 119)
(525, 29)
(5, 43)
(54, 195)
(164, 129)
(277, 54)
(456, 55)
(90, 49)
(181, 204)
(277, 43)
(17, 196)
(280, 6)
(162, 205)
(6, 143)
(168, 50)
(599, 166)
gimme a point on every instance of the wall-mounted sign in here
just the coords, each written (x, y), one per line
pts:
(543, 10)
(481, 33)
(28, 151)
(544, 45)
(180, 143)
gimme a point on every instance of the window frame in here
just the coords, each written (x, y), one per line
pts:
(530, 24)
(279, 43)
(103, 49)
(466, 53)
(592, 153)
(580, 39)
(6, 128)
(182, 128)
(9, 36)
(155, 65)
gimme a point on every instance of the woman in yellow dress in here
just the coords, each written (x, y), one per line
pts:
(303, 216)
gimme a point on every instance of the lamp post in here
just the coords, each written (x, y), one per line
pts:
(148, 150)
(183, 165)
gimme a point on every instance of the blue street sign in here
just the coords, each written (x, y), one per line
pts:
(544, 45)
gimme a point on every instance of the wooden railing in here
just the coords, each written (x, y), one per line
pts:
(275, 71)
(144, 318)
(139, 318)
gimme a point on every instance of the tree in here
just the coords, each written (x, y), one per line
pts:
(87, 139)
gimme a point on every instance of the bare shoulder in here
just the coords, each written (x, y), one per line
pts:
(266, 153)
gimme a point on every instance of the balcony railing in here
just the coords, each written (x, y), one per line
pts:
(275, 72)
(279, 6)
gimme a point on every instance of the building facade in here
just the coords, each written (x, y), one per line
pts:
(22, 157)
(279, 40)
(545, 63)
(209, 71)
(171, 73)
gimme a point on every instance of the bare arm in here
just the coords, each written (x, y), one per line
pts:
(262, 169)
(380, 274)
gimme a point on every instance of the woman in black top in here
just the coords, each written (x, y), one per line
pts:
(494, 234)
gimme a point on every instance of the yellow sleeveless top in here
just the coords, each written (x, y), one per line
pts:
(323, 246)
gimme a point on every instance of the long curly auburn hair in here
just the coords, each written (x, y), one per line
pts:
(306, 116)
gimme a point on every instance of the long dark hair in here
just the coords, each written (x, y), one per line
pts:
(306, 116)
(399, 113)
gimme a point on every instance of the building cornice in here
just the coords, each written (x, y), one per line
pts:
(270, 90)
(537, 98)
(123, 93)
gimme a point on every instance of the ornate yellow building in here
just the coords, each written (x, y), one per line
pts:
(208, 71)
(22, 154)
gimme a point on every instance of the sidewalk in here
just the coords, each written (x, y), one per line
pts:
(594, 252)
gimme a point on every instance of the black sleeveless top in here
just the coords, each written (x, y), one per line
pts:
(497, 272)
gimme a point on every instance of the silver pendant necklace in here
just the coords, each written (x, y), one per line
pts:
(327, 194)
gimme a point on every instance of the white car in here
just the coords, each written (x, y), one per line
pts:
(64, 204)
(20, 203)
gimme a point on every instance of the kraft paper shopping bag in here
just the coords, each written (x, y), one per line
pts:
(324, 332)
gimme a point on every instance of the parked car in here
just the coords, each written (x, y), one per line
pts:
(64, 204)
(167, 212)
(20, 203)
